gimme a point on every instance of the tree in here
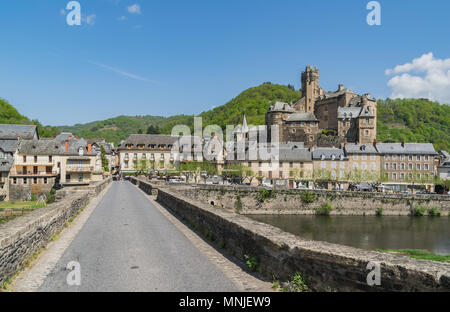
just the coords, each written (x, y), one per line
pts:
(248, 174)
(105, 162)
(153, 130)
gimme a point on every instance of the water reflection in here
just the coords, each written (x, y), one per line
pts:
(432, 234)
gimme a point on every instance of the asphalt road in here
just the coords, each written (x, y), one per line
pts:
(128, 245)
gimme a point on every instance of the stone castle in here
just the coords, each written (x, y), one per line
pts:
(325, 118)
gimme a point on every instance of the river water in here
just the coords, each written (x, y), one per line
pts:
(368, 232)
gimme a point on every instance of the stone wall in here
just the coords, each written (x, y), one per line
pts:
(280, 255)
(23, 236)
(293, 201)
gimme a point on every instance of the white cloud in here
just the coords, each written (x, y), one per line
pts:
(425, 77)
(122, 18)
(134, 9)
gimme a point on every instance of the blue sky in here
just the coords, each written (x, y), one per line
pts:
(171, 57)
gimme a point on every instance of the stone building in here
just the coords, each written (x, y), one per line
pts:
(346, 116)
(408, 166)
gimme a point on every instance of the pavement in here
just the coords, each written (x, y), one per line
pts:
(127, 244)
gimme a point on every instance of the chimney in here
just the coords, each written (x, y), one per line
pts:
(89, 148)
(375, 143)
(340, 87)
(403, 144)
(67, 146)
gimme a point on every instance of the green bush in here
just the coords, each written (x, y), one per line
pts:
(297, 284)
(252, 263)
(51, 196)
(238, 204)
(265, 194)
(434, 212)
(325, 209)
(308, 197)
(418, 211)
(379, 211)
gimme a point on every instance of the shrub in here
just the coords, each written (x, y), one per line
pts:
(264, 194)
(297, 284)
(51, 196)
(379, 211)
(308, 197)
(418, 211)
(325, 209)
(434, 212)
(238, 204)
(252, 263)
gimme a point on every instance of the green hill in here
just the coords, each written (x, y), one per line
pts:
(411, 120)
(253, 102)
(414, 120)
(10, 115)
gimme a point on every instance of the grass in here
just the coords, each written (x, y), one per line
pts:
(297, 284)
(417, 254)
(20, 205)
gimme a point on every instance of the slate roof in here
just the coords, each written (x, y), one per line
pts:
(352, 148)
(53, 147)
(5, 164)
(11, 132)
(328, 153)
(407, 148)
(9, 146)
(281, 107)
(353, 112)
(302, 117)
(295, 154)
(334, 94)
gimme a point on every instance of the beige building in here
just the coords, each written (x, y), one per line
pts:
(146, 152)
(408, 166)
(331, 168)
(364, 162)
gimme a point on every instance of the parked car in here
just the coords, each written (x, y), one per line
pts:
(175, 181)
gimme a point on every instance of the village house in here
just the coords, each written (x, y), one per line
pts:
(408, 166)
(331, 168)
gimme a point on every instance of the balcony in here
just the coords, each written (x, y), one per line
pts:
(78, 168)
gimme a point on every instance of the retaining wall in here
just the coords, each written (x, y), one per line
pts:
(280, 255)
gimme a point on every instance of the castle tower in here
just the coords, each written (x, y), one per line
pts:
(310, 87)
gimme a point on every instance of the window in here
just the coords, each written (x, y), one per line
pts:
(127, 156)
(355, 157)
(14, 180)
(322, 165)
(402, 166)
(410, 158)
(364, 157)
(135, 156)
(35, 159)
(394, 176)
(260, 164)
(367, 133)
(402, 157)
(426, 158)
(126, 164)
(394, 166)
(341, 174)
(386, 157)
(35, 180)
(50, 159)
(372, 166)
(333, 165)
(418, 166)
(373, 157)
(418, 157)
(394, 157)
(291, 165)
(24, 159)
(402, 176)
(355, 166)
(364, 166)
(342, 165)
(410, 167)
(45, 181)
(281, 174)
(426, 167)
(25, 181)
(386, 166)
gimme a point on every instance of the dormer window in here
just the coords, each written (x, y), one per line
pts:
(322, 157)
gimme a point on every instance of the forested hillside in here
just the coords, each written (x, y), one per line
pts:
(411, 120)
(414, 120)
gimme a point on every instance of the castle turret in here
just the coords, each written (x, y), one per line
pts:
(310, 87)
